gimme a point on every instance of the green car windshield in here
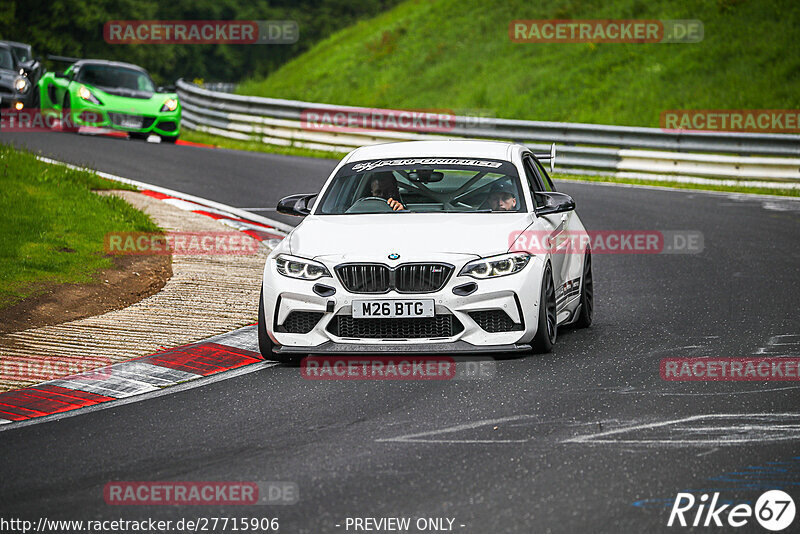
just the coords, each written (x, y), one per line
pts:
(117, 77)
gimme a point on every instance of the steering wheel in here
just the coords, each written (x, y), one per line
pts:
(370, 205)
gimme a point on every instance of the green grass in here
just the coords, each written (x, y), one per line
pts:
(257, 146)
(53, 225)
(456, 54)
(195, 136)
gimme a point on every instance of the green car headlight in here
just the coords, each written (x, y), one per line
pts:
(170, 104)
(87, 95)
(300, 268)
(495, 266)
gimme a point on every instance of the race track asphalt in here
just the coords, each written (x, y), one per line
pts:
(496, 455)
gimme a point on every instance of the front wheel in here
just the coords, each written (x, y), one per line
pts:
(67, 117)
(548, 326)
(587, 294)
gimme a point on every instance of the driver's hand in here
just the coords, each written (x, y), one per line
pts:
(395, 204)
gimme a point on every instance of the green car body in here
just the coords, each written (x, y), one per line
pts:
(110, 94)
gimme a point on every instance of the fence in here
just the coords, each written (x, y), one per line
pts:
(771, 160)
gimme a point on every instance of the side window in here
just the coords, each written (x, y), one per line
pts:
(530, 173)
(548, 183)
(533, 180)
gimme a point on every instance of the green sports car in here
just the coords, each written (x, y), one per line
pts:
(110, 94)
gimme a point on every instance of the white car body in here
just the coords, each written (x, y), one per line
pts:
(450, 238)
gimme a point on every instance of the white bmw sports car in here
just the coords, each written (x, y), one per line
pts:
(431, 247)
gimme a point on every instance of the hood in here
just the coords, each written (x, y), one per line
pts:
(414, 236)
(130, 93)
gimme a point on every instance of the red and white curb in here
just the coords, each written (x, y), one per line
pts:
(211, 208)
(168, 368)
(147, 374)
(257, 230)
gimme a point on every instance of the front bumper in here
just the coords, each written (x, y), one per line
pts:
(457, 347)
(165, 124)
(8, 99)
(516, 295)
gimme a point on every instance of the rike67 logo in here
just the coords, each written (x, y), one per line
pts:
(774, 510)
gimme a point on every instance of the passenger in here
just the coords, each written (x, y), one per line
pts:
(501, 199)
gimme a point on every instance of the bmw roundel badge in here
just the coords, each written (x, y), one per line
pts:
(394, 256)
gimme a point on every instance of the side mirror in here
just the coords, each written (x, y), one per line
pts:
(295, 204)
(552, 202)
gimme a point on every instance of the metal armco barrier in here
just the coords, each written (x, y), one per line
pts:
(582, 148)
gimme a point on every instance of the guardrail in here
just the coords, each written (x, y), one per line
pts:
(582, 148)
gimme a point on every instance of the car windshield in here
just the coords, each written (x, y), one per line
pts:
(449, 185)
(22, 54)
(117, 77)
(6, 61)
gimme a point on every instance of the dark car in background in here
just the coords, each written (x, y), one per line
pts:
(19, 74)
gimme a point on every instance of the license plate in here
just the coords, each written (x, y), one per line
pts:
(373, 309)
(133, 124)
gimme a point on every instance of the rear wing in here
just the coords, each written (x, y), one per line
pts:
(551, 157)
(62, 59)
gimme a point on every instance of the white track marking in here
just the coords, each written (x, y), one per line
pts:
(781, 345)
(416, 438)
(772, 425)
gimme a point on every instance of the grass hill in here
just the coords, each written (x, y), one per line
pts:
(457, 55)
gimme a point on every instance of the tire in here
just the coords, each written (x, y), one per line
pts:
(66, 112)
(547, 330)
(265, 344)
(169, 139)
(587, 294)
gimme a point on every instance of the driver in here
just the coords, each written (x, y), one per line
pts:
(501, 199)
(384, 185)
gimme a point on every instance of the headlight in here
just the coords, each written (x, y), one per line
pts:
(86, 94)
(21, 84)
(300, 268)
(170, 104)
(496, 266)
